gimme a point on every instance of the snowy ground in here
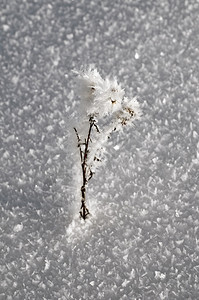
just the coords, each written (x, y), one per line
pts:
(142, 242)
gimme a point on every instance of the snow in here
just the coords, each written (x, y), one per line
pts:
(142, 238)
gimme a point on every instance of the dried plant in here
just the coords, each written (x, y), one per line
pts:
(104, 109)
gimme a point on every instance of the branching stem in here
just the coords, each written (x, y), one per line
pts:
(84, 212)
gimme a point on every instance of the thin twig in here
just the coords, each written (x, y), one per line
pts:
(84, 212)
(79, 144)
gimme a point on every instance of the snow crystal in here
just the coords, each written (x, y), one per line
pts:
(137, 55)
(47, 264)
(159, 275)
(116, 147)
(6, 27)
(18, 228)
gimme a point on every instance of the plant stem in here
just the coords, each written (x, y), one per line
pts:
(84, 212)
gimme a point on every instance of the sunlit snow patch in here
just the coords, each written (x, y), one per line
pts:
(79, 229)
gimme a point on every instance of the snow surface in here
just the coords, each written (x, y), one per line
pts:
(142, 241)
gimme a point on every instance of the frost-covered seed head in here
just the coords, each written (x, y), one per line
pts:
(105, 98)
(87, 81)
(98, 97)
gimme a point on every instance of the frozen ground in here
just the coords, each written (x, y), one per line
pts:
(142, 242)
